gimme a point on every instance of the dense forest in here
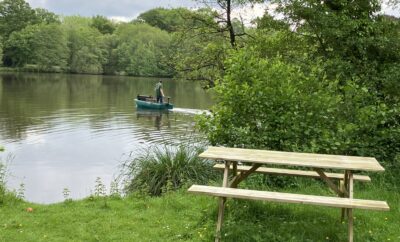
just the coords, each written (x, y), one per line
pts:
(323, 77)
(159, 42)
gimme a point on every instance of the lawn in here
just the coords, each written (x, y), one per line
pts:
(179, 216)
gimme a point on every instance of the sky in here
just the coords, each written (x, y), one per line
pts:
(123, 10)
(126, 10)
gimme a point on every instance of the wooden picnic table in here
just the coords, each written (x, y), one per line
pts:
(231, 157)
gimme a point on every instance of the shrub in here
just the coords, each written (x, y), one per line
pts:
(160, 169)
(271, 104)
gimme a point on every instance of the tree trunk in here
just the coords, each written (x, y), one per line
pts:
(229, 23)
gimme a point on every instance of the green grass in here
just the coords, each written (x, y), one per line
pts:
(178, 216)
(161, 169)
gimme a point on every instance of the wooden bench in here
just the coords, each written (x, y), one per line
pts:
(337, 202)
(317, 163)
(289, 172)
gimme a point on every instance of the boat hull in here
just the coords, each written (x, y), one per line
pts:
(152, 105)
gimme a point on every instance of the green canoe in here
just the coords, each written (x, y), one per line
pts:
(146, 102)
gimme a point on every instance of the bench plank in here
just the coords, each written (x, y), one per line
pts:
(293, 159)
(289, 172)
(337, 202)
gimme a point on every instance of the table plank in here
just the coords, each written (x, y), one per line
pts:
(293, 159)
(290, 172)
(338, 202)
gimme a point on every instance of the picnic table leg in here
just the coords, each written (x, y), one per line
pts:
(350, 210)
(342, 186)
(222, 201)
(234, 169)
(345, 187)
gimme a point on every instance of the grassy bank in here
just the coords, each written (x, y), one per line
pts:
(178, 216)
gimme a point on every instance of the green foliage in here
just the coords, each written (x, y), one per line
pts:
(141, 50)
(46, 17)
(102, 24)
(86, 46)
(170, 20)
(14, 16)
(353, 39)
(272, 104)
(19, 46)
(43, 45)
(162, 169)
(50, 47)
(199, 50)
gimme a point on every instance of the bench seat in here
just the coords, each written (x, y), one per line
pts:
(289, 172)
(336, 202)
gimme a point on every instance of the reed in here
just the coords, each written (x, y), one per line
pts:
(160, 169)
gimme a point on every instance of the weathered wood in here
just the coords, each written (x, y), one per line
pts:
(243, 175)
(329, 182)
(290, 198)
(293, 159)
(341, 187)
(235, 168)
(222, 201)
(350, 211)
(291, 172)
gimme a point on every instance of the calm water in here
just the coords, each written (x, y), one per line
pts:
(64, 131)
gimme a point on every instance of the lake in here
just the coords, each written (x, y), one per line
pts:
(64, 131)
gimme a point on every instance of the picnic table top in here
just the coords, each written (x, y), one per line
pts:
(293, 159)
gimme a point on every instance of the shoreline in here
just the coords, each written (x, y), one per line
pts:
(31, 71)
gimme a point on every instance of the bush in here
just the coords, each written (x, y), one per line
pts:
(161, 169)
(271, 104)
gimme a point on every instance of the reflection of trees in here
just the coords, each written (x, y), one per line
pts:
(29, 100)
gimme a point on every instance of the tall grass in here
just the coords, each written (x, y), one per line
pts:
(2, 179)
(2, 182)
(5, 194)
(160, 169)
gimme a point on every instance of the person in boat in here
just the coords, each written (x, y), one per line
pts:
(159, 92)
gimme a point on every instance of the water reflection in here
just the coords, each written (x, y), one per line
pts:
(66, 130)
(155, 116)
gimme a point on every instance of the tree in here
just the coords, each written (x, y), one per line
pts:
(170, 20)
(199, 48)
(224, 16)
(141, 50)
(102, 24)
(352, 38)
(278, 105)
(19, 46)
(14, 16)
(43, 45)
(45, 16)
(210, 33)
(86, 46)
(50, 47)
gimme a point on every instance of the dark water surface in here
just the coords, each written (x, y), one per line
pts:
(64, 131)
